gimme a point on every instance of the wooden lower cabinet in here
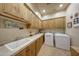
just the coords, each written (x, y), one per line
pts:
(37, 46)
(73, 52)
(24, 52)
(32, 49)
(39, 43)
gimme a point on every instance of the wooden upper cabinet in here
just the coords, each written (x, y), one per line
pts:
(20, 12)
(51, 24)
(48, 24)
(17, 10)
(60, 23)
(1, 7)
(40, 24)
(44, 24)
(30, 15)
(23, 11)
(64, 23)
(35, 22)
(11, 9)
(14, 10)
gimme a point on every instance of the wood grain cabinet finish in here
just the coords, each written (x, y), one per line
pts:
(32, 49)
(37, 46)
(73, 52)
(39, 43)
(58, 23)
(18, 10)
(1, 7)
(13, 9)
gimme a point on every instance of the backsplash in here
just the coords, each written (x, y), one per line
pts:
(8, 35)
(10, 23)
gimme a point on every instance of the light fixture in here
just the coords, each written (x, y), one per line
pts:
(44, 11)
(37, 13)
(60, 5)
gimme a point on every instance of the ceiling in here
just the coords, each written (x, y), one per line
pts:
(50, 8)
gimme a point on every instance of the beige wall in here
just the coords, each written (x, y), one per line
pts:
(73, 32)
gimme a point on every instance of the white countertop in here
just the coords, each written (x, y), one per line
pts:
(4, 51)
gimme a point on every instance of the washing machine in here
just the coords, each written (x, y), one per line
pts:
(49, 39)
(62, 41)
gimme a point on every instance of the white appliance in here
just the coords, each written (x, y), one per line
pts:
(49, 39)
(62, 41)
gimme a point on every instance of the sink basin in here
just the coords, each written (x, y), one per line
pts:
(13, 45)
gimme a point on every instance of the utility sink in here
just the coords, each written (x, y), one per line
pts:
(16, 44)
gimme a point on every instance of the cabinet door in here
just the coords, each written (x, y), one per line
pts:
(32, 48)
(28, 52)
(24, 52)
(16, 10)
(39, 43)
(51, 24)
(60, 23)
(8, 8)
(44, 24)
(1, 7)
(37, 46)
(22, 10)
(11, 9)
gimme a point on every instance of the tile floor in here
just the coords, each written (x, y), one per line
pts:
(52, 51)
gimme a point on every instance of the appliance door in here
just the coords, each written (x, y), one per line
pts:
(49, 39)
(62, 42)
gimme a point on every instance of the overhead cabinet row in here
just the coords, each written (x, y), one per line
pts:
(58, 23)
(15, 9)
(20, 11)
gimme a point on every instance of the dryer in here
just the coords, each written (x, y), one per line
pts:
(62, 41)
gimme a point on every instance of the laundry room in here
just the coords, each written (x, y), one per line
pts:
(39, 29)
